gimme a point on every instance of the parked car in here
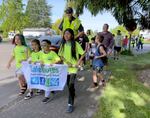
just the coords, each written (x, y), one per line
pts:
(11, 35)
(1, 39)
(54, 39)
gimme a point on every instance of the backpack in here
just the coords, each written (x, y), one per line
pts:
(105, 58)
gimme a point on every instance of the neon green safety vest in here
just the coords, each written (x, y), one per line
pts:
(141, 39)
(74, 25)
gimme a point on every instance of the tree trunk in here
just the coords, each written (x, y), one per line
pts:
(130, 42)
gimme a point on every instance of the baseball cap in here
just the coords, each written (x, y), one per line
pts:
(69, 10)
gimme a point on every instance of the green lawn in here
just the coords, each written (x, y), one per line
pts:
(124, 96)
(146, 41)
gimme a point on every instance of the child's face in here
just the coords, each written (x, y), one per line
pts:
(67, 36)
(97, 39)
(92, 41)
(34, 46)
(45, 46)
(17, 40)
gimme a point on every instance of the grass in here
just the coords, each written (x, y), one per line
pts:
(146, 41)
(124, 96)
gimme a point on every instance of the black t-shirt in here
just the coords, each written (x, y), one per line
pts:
(82, 41)
(80, 29)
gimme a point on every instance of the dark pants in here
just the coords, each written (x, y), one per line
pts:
(140, 44)
(71, 88)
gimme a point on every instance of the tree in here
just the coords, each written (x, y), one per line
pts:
(11, 15)
(38, 13)
(124, 31)
(123, 10)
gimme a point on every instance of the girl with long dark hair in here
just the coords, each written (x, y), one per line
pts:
(69, 53)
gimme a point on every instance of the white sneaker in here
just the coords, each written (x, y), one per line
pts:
(92, 88)
(81, 79)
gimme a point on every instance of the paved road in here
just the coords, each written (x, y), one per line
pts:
(146, 48)
(5, 52)
(13, 106)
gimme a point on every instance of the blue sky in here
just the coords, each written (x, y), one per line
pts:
(88, 21)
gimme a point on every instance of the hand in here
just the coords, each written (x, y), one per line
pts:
(75, 66)
(8, 66)
(30, 62)
(34, 62)
(96, 57)
(69, 64)
(22, 60)
(109, 52)
(50, 64)
(42, 64)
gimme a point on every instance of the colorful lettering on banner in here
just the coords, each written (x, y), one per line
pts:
(45, 77)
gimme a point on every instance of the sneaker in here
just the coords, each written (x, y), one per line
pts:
(92, 88)
(46, 100)
(102, 83)
(81, 68)
(81, 79)
(70, 109)
(39, 92)
(28, 96)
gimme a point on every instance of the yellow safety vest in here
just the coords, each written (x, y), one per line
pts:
(141, 39)
(74, 25)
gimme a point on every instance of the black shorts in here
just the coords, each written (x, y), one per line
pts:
(97, 69)
(118, 49)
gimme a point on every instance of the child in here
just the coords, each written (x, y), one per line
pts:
(48, 57)
(20, 53)
(69, 53)
(98, 63)
(118, 45)
(34, 58)
(92, 50)
(125, 43)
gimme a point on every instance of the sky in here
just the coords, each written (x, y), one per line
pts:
(87, 20)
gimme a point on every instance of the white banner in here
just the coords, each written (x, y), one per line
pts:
(48, 78)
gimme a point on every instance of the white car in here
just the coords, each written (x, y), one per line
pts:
(11, 35)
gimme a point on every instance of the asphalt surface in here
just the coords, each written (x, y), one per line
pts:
(14, 106)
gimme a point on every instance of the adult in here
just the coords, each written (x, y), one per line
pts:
(1, 39)
(69, 21)
(108, 42)
(84, 42)
(125, 43)
(118, 45)
(140, 42)
(108, 38)
(89, 35)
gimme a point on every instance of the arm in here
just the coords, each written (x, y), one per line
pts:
(81, 31)
(111, 42)
(79, 61)
(63, 59)
(61, 25)
(79, 34)
(10, 61)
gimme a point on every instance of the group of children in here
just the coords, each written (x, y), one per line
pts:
(70, 53)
